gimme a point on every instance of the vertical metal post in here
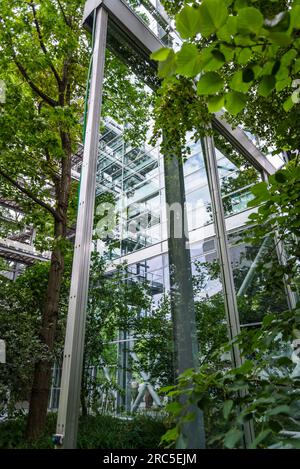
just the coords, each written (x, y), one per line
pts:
(231, 306)
(124, 373)
(222, 245)
(69, 403)
(181, 286)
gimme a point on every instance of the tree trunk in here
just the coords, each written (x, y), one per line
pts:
(181, 289)
(42, 371)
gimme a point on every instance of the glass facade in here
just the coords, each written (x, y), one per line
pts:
(134, 179)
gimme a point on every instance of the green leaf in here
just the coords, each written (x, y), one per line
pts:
(260, 437)
(215, 103)
(174, 408)
(259, 190)
(281, 176)
(282, 39)
(237, 83)
(227, 407)
(266, 85)
(296, 333)
(295, 16)
(227, 52)
(232, 438)
(168, 67)
(235, 102)
(297, 66)
(188, 61)
(244, 56)
(288, 57)
(210, 61)
(249, 20)
(232, 25)
(245, 367)
(210, 83)
(239, 4)
(188, 22)
(281, 409)
(161, 55)
(226, 32)
(213, 14)
(248, 75)
(171, 435)
(283, 361)
(167, 389)
(288, 104)
(282, 73)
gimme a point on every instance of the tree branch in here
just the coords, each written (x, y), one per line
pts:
(30, 195)
(67, 21)
(42, 44)
(40, 93)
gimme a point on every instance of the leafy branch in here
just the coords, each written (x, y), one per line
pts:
(42, 44)
(30, 195)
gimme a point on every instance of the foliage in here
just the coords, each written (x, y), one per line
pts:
(243, 56)
(154, 345)
(115, 303)
(265, 388)
(44, 63)
(279, 207)
(101, 432)
(21, 304)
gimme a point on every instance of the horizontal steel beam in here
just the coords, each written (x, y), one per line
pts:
(132, 28)
(128, 37)
(20, 252)
(243, 145)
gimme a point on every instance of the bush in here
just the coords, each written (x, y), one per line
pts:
(99, 432)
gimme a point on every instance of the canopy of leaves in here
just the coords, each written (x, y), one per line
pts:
(247, 55)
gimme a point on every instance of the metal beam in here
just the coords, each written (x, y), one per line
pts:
(135, 31)
(69, 403)
(144, 42)
(230, 298)
(243, 144)
(21, 252)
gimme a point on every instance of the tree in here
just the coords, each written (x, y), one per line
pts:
(21, 309)
(44, 62)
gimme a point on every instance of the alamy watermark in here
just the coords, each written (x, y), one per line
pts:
(136, 220)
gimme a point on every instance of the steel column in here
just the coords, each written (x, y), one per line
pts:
(229, 292)
(69, 404)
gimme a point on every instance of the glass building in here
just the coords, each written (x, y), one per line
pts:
(131, 187)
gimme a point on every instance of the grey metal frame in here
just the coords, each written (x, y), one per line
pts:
(67, 422)
(230, 296)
